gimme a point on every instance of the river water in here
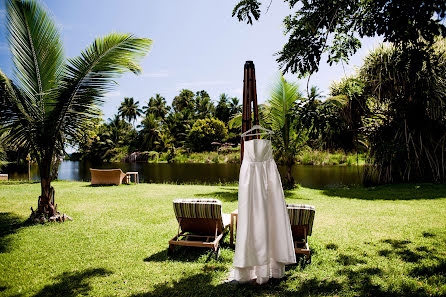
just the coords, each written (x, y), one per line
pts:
(308, 176)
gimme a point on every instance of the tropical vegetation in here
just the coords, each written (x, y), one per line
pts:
(407, 127)
(281, 114)
(390, 114)
(334, 28)
(51, 99)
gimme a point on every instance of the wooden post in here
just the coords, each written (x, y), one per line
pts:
(249, 97)
(28, 158)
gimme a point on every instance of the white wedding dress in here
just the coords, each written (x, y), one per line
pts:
(264, 243)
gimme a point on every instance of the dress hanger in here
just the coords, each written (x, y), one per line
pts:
(257, 127)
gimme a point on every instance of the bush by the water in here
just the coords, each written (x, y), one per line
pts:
(206, 131)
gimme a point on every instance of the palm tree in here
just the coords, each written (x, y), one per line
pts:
(150, 131)
(157, 106)
(234, 106)
(2, 153)
(222, 111)
(280, 115)
(204, 108)
(118, 128)
(52, 99)
(129, 109)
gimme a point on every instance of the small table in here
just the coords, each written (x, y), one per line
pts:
(135, 176)
(234, 216)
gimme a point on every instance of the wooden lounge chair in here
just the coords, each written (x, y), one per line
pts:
(107, 176)
(301, 218)
(200, 224)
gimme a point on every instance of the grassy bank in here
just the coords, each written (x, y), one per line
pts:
(317, 157)
(307, 157)
(384, 241)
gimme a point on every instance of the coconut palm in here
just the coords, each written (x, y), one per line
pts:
(129, 109)
(51, 99)
(234, 106)
(118, 129)
(157, 106)
(204, 108)
(222, 111)
(280, 115)
(150, 130)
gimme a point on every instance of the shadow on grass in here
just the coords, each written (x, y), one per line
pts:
(108, 186)
(354, 277)
(291, 194)
(9, 224)
(181, 254)
(360, 281)
(390, 192)
(402, 250)
(231, 194)
(437, 269)
(201, 285)
(349, 260)
(72, 283)
(226, 194)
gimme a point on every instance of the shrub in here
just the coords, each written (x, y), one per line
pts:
(206, 131)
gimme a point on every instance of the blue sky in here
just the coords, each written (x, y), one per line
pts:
(197, 45)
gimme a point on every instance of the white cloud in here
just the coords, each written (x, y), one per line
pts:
(158, 74)
(202, 84)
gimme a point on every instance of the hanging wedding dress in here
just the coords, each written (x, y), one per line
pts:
(264, 243)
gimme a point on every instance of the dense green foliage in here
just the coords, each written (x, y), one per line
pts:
(52, 100)
(281, 114)
(205, 132)
(395, 107)
(383, 241)
(335, 27)
(407, 128)
(192, 124)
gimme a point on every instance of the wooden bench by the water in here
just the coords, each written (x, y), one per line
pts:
(107, 176)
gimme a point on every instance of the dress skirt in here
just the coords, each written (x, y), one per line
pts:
(264, 242)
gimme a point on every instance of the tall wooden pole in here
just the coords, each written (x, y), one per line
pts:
(249, 101)
(28, 158)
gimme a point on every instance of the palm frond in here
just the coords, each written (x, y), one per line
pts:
(235, 121)
(15, 114)
(284, 96)
(88, 77)
(36, 49)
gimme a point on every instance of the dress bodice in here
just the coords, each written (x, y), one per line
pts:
(257, 150)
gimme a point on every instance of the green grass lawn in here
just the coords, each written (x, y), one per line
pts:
(384, 241)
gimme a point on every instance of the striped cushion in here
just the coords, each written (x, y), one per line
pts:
(301, 214)
(197, 208)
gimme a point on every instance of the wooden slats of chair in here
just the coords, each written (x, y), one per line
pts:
(189, 228)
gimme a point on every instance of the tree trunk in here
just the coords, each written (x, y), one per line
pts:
(289, 177)
(46, 199)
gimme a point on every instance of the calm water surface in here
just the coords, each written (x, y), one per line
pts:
(308, 176)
